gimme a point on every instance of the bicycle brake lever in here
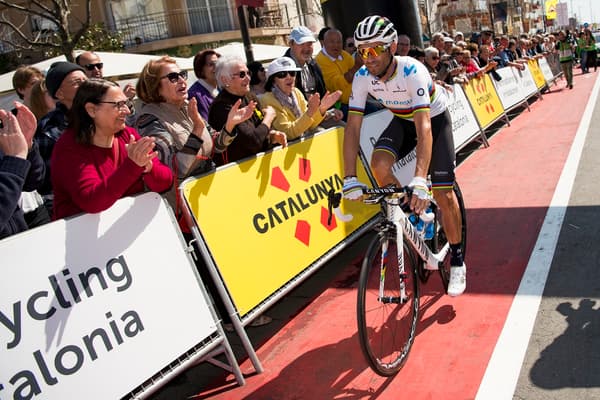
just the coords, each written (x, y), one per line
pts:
(333, 201)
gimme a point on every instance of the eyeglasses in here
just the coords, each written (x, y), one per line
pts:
(242, 74)
(350, 44)
(283, 74)
(91, 67)
(435, 58)
(117, 104)
(173, 77)
(376, 51)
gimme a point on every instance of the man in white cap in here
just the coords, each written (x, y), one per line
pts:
(310, 79)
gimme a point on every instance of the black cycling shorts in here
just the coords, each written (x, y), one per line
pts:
(400, 138)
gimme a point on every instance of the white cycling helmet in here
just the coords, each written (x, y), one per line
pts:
(375, 29)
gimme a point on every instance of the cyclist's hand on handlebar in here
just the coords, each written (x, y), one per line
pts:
(353, 189)
(421, 196)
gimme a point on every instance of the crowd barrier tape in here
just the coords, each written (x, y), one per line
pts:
(484, 100)
(264, 220)
(85, 301)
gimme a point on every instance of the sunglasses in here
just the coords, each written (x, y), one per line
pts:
(91, 67)
(376, 51)
(283, 74)
(173, 77)
(242, 74)
(117, 104)
(350, 44)
(435, 58)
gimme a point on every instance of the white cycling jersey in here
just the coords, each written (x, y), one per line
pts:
(408, 90)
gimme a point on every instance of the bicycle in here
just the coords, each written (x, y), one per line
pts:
(388, 288)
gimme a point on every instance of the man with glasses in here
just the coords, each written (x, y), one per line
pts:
(403, 45)
(94, 68)
(62, 81)
(421, 120)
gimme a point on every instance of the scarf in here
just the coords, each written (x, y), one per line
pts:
(288, 102)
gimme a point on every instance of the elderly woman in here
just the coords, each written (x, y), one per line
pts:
(253, 135)
(295, 115)
(204, 90)
(183, 140)
(98, 159)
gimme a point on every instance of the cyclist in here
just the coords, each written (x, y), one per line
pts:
(421, 119)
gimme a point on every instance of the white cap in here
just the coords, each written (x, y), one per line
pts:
(302, 34)
(281, 64)
(448, 39)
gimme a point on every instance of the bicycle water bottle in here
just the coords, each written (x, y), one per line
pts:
(427, 217)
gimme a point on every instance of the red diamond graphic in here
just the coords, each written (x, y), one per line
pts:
(279, 180)
(325, 216)
(303, 232)
(305, 171)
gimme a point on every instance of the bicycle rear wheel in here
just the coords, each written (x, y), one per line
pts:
(387, 328)
(440, 240)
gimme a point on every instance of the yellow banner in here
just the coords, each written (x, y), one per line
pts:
(551, 9)
(484, 99)
(265, 219)
(536, 72)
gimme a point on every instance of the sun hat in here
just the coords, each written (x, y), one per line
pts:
(281, 64)
(302, 34)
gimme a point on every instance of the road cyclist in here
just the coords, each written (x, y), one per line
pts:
(421, 119)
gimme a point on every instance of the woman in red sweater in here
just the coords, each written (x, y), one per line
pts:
(98, 159)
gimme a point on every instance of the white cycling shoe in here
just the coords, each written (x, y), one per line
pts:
(458, 280)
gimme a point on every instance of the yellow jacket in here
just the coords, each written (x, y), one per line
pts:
(333, 73)
(286, 121)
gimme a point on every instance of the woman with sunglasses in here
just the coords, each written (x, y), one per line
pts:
(258, 78)
(255, 134)
(205, 88)
(295, 115)
(98, 159)
(183, 140)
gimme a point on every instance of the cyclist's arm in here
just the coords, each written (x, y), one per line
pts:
(422, 121)
(351, 143)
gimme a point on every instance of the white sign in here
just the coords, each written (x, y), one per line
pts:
(464, 123)
(546, 70)
(526, 82)
(508, 87)
(92, 306)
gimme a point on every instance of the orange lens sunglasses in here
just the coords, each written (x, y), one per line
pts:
(376, 51)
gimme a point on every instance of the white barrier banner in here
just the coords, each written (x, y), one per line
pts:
(372, 127)
(93, 306)
(508, 87)
(545, 67)
(464, 122)
(526, 83)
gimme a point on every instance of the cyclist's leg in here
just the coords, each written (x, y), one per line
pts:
(392, 145)
(442, 180)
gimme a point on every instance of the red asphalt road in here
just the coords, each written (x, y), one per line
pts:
(507, 189)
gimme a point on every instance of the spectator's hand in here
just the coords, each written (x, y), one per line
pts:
(142, 151)
(353, 189)
(314, 101)
(328, 100)
(129, 90)
(269, 115)
(12, 141)
(277, 137)
(238, 115)
(199, 124)
(27, 122)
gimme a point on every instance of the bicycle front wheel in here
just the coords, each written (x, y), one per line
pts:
(387, 325)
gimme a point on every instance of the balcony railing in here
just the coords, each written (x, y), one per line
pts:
(192, 21)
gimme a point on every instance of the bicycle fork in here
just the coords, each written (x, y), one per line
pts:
(392, 210)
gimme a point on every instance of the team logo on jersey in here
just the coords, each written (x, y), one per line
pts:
(410, 69)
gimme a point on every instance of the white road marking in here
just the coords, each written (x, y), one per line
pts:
(502, 373)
